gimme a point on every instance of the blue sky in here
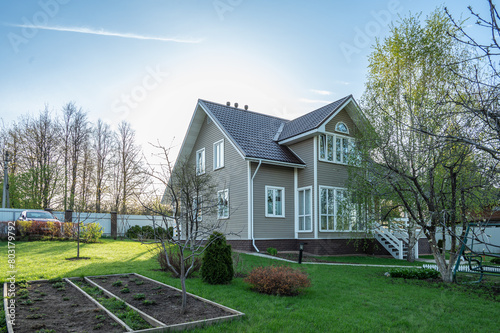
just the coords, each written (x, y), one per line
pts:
(149, 61)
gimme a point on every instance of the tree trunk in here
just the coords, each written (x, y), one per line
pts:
(183, 282)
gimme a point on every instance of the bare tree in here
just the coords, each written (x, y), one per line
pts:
(103, 144)
(129, 163)
(188, 201)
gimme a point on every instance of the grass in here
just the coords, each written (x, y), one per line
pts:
(341, 298)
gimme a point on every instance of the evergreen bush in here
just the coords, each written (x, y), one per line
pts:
(217, 264)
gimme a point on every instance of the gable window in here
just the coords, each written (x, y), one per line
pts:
(335, 148)
(200, 161)
(342, 128)
(223, 204)
(219, 154)
(305, 209)
(336, 212)
(275, 201)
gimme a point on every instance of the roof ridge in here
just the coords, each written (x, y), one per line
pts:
(250, 111)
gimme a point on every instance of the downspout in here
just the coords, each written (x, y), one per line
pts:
(251, 204)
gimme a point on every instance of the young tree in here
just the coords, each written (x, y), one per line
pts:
(436, 181)
(188, 201)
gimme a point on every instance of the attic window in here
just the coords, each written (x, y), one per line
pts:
(342, 128)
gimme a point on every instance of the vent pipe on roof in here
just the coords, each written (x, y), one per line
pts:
(236, 105)
(228, 103)
(246, 107)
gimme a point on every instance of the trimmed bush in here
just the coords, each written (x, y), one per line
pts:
(272, 251)
(133, 231)
(495, 260)
(217, 266)
(414, 273)
(175, 260)
(278, 280)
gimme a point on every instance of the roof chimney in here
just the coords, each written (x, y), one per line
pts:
(228, 103)
(236, 105)
(246, 107)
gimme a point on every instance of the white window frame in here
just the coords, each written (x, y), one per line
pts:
(334, 214)
(341, 123)
(323, 144)
(225, 212)
(299, 215)
(219, 154)
(200, 157)
(275, 188)
(198, 210)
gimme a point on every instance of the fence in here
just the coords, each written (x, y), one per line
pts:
(124, 222)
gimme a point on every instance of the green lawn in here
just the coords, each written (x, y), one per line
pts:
(341, 298)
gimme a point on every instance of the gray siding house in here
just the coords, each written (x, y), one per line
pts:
(283, 181)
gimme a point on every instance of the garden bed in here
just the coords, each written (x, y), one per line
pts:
(163, 302)
(61, 306)
(58, 307)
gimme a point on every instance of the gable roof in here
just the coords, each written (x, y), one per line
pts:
(310, 120)
(253, 133)
(257, 136)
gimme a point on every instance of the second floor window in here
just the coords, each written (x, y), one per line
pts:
(218, 154)
(200, 161)
(335, 148)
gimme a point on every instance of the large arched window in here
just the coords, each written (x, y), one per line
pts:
(342, 128)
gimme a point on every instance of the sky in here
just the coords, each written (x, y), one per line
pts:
(149, 61)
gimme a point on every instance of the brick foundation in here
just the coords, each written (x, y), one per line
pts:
(322, 246)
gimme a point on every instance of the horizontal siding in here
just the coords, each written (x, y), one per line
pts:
(305, 150)
(232, 176)
(330, 174)
(342, 116)
(273, 227)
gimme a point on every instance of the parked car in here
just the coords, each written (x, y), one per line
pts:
(37, 215)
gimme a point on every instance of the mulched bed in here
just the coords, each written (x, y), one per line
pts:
(166, 302)
(60, 307)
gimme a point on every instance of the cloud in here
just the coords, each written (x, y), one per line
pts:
(321, 92)
(313, 101)
(102, 32)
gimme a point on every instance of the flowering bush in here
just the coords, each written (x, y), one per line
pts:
(91, 232)
(278, 280)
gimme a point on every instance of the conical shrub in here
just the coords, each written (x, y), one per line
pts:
(217, 265)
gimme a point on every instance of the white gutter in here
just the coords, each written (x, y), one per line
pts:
(251, 205)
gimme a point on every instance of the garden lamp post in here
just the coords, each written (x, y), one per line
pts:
(301, 249)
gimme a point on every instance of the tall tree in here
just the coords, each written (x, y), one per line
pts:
(103, 144)
(131, 175)
(437, 182)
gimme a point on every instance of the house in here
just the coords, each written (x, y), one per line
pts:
(280, 182)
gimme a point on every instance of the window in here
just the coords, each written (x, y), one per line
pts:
(200, 161)
(336, 212)
(275, 201)
(342, 128)
(335, 148)
(198, 208)
(218, 154)
(305, 208)
(223, 204)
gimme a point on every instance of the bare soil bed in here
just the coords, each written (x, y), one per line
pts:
(60, 307)
(157, 300)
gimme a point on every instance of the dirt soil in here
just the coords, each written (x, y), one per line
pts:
(166, 302)
(61, 308)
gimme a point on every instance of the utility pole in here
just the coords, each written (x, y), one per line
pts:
(5, 196)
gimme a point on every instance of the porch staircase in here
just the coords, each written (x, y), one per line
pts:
(395, 241)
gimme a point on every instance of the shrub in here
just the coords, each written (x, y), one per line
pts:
(175, 260)
(414, 273)
(69, 229)
(39, 228)
(133, 232)
(272, 251)
(495, 260)
(90, 233)
(278, 280)
(147, 232)
(217, 266)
